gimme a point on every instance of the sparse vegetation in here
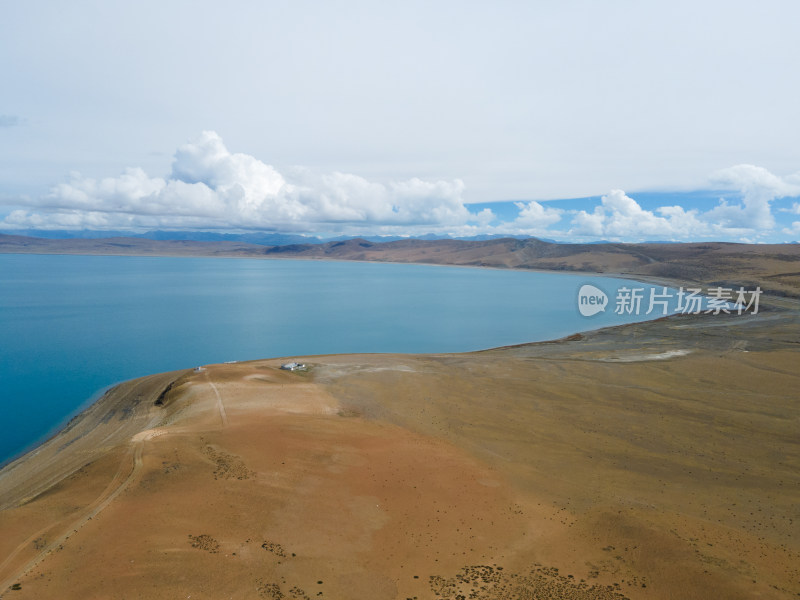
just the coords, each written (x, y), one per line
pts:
(204, 542)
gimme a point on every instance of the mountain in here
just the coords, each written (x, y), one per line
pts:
(259, 237)
(772, 266)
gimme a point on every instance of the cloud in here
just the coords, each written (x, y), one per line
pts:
(9, 121)
(758, 188)
(618, 216)
(211, 187)
(535, 216)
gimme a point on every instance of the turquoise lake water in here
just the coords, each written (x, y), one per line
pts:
(73, 325)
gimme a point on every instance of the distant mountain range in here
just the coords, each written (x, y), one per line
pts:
(771, 266)
(260, 238)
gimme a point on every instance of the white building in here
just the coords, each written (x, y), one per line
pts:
(293, 366)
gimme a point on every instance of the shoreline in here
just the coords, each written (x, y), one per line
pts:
(768, 297)
(112, 416)
(96, 395)
(705, 263)
(96, 402)
(771, 302)
(99, 395)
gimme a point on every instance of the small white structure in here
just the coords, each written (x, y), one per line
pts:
(199, 369)
(293, 366)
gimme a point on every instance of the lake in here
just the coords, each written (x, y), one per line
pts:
(71, 326)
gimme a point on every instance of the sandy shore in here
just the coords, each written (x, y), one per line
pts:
(656, 460)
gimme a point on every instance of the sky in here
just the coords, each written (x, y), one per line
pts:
(569, 120)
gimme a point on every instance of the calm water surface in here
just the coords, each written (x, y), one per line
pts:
(73, 325)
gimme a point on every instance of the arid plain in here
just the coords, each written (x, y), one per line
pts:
(657, 460)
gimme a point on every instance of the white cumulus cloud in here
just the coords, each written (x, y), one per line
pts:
(211, 187)
(620, 217)
(758, 188)
(536, 216)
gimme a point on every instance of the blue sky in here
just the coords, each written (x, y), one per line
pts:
(667, 120)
